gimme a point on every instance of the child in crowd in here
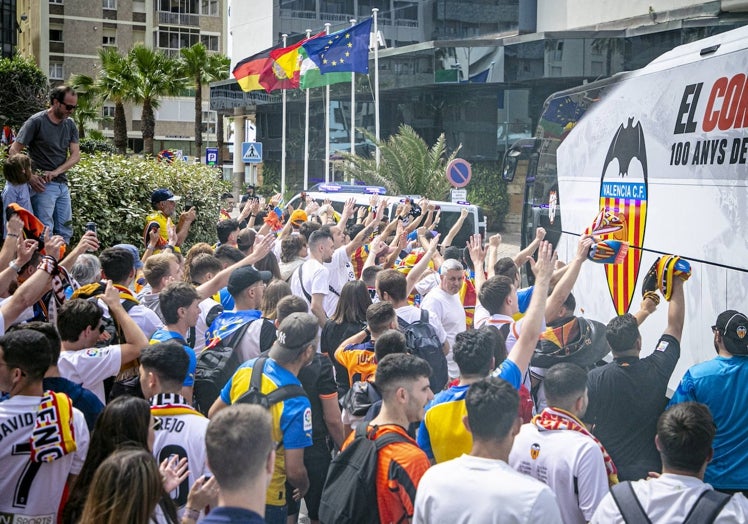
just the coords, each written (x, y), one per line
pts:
(17, 171)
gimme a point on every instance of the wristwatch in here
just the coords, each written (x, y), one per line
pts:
(15, 266)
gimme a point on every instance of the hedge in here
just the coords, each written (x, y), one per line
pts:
(114, 191)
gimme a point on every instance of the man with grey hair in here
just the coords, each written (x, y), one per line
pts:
(87, 269)
(445, 304)
(294, 348)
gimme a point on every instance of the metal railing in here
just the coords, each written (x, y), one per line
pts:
(306, 15)
(178, 19)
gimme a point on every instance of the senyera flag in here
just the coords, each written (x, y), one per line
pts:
(343, 51)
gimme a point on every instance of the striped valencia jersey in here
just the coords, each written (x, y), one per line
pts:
(442, 435)
(358, 259)
(359, 360)
(400, 467)
(468, 297)
(292, 418)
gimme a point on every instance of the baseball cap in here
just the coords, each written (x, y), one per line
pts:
(734, 329)
(244, 277)
(134, 252)
(162, 195)
(298, 217)
(296, 332)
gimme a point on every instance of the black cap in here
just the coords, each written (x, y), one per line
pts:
(244, 277)
(733, 326)
(295, 333)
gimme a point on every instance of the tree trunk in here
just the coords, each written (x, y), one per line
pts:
(120, 128)
(220, 138)
(81, 131)
(149, 125)
(198, 118)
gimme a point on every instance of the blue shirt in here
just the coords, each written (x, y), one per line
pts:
(227, 301)
(523, 298)
(721, 384)
(442, 435)
(164, 335)
(230, 515)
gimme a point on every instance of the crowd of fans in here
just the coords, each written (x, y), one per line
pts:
(318, 330)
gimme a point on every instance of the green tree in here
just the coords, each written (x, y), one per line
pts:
(408, 165)
(201, 67)
(154, 75)
(89, 102)
(114, 83)
(24, 90)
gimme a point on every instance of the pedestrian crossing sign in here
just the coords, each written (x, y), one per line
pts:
(252, 152)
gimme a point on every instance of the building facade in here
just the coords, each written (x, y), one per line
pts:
(478, 71)
(64, 37)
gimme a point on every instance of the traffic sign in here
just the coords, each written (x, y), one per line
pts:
(252, 152)
(459, 195)
(211, 156)
(459, 172)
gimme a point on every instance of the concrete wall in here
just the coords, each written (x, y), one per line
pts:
(251, 28)
(559, 15)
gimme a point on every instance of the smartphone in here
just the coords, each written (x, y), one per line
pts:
(91, 226)
(188, 204)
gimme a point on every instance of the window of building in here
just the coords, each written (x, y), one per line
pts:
(55, 35)
(176, 38)
(209, 7)
(109, 4)
(210, 42)
(56, 2)
(55, 71)
(109, 40)
(107, 111)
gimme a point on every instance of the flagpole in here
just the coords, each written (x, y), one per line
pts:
(283, 133)
(306, 132)
(327, 122)
(353, 112)
(376, 83)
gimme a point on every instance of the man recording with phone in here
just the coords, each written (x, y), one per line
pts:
(164, 205)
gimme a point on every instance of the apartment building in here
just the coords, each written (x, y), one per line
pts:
(64, 37)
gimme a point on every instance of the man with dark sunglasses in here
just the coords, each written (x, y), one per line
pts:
(52, 141)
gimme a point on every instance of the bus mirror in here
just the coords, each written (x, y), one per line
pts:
(510, 166)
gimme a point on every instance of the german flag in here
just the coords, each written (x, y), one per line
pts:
(249, 72)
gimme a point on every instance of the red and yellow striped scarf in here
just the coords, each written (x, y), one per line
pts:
(552, 419)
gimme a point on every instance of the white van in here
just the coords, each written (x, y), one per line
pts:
(666, 146)
(475, 222)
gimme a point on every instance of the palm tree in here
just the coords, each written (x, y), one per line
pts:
(114, 82)
(201, 68)
(408, 165)
(89, 102)
(154, 75)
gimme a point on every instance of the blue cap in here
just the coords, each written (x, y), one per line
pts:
(134, 252)
(162, 195)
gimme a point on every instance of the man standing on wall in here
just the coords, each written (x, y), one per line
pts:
(52, 141)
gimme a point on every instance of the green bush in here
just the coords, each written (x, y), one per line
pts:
(93, 145)
(115, 192)
(489, 191)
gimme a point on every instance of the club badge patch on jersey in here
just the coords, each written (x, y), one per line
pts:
(535, 451)
(662, 346)
(308, 419)
(93, 352)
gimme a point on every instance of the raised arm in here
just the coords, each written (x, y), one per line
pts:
(212, 286)
(478, 256)
(676, 311)
(526, 253)
(532, 322)
(414, 275)
(564, 286)
(455, 229)
(494, 241)
(136, 339)
(88, 242)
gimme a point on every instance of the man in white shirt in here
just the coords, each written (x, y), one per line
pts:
(32, 485)
(555, 449)
(312, 280)
(80, 326)
(482, 487)
(444, 302)
(202, 268)
(684, 439)
(180, 430)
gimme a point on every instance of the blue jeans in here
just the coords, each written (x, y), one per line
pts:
(275, 514)
(53, 208)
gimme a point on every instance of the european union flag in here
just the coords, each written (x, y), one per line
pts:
(342, 51)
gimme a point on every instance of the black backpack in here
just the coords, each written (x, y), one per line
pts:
(215, 366)
(350, 492)
(422, 341)
(254, 394)
(361, 397)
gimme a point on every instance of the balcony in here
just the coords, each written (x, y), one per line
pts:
(304, 15)
(336, 17)
(181, 19)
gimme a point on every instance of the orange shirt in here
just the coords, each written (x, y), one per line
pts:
(359, 360)
(399, 470)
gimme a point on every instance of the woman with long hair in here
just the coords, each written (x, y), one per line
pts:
(349, 318)
(126, 420)
(275, 290)
(269, 263)
(293, 253)
(126, 487)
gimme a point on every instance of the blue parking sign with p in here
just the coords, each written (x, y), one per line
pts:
(211, 156)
